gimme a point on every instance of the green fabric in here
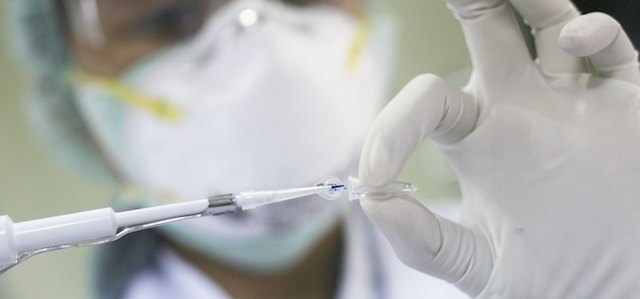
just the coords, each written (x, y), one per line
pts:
(38, 38)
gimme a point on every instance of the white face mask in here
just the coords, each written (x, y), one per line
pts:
(278, 104)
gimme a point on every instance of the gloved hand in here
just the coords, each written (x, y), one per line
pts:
(547, 153)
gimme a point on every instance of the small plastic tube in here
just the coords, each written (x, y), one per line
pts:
(333, 189)
(356, 190)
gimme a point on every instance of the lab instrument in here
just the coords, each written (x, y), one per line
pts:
(22, 240)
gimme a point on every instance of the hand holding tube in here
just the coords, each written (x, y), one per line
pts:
(547, 153)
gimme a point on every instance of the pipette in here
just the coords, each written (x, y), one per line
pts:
(22, 240)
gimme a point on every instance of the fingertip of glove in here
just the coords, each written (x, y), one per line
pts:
(588, 34)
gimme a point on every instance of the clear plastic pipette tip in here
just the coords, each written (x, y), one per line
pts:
(253, 199)
(329, 189)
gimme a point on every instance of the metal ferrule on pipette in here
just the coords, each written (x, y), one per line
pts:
(221, 204)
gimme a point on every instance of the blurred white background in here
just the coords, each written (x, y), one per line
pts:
(33, 186)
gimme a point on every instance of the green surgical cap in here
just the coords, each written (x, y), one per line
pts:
(38, 39)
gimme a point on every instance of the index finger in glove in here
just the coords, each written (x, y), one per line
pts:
(427, 106)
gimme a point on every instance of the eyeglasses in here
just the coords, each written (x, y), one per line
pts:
(107, 36)
(105, 22)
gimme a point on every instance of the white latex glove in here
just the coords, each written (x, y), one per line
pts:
(547, 155)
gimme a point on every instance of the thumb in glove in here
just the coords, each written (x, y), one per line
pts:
(427, 107)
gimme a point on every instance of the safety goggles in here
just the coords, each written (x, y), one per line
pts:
(109, 23)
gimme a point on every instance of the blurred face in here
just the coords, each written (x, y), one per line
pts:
(229, 108)
(107, 36)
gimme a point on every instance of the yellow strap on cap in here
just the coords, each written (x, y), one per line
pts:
(127, 95)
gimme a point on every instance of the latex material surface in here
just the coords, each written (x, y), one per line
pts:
(547, 156)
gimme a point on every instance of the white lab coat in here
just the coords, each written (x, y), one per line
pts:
(372, 271)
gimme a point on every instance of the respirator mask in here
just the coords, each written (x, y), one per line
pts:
(265, 96)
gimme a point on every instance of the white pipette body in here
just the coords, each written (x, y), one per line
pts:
(19, 241)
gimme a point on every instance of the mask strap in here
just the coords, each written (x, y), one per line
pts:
(359, 43)
(129, 96)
